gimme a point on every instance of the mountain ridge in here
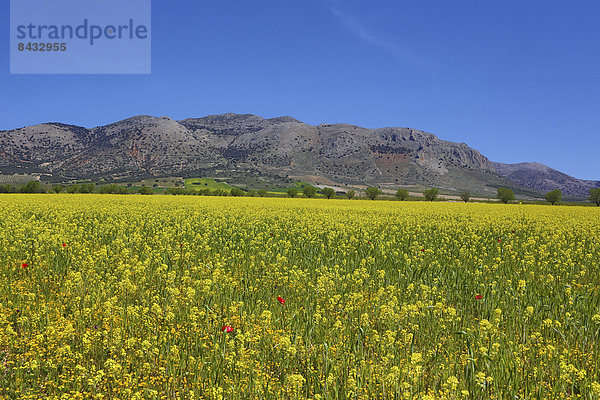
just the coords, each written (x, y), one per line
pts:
(282, 147)
(543, 178)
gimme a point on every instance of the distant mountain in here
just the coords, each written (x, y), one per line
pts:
(543, 178)
(253, 149)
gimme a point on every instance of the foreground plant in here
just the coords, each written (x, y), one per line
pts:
(262, 298)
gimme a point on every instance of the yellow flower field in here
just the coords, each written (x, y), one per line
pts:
(130, 297)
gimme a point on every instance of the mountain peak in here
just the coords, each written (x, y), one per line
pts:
(285, 119)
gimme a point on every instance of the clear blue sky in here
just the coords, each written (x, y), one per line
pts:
(519, 81)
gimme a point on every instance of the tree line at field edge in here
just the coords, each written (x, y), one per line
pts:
(504, 195)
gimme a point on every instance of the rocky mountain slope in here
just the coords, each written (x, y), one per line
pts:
(543, 178)
(248, 145)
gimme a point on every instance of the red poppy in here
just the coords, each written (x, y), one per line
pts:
(423, 250)
(499, 240)
(64, 245)
(281, 300)
(478, 297)
(226, 328)
(24, 265)
(180, 244)
(271, 234)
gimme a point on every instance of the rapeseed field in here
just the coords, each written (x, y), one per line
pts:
(161, 297)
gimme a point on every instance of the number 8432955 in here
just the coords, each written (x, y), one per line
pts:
(42, 47)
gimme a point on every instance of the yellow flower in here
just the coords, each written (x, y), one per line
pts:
(416, 358)
(529, 311)
(452, 383)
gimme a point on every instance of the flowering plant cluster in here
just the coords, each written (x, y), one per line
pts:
(236, 298)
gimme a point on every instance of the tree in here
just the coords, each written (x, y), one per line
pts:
(328, 192)
(372, 192)
(430, 194)
(7, 189)
(262, 192)
(145, 190)
(350, 194)
(554, 196)
(309, 191)
(57, 188)
(595, 196)
(122, 190)
(237, 192)
(465, 196)
(73, 189)
(505, 195)
(108, 189)
(87, 188)
(31, 187)
(292, 192)
(177, 191)
(402, 194)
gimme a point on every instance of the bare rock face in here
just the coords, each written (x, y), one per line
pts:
(346, 154)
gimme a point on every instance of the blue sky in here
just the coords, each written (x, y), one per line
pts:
(519, 81)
